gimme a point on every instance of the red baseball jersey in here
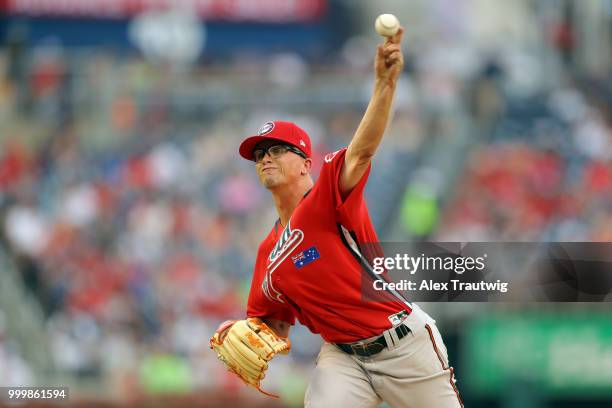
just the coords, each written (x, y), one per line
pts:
(308, 271)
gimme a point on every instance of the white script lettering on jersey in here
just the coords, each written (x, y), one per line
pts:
(287, 243)
(287, 236)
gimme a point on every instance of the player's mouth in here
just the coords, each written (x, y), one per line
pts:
(267, 168)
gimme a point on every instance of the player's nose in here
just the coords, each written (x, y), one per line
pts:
(266, 158)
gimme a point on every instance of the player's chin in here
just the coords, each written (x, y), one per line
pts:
(270, 181)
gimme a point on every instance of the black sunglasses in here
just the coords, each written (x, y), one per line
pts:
(275, 151)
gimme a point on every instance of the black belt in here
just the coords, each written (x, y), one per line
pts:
(373, 347)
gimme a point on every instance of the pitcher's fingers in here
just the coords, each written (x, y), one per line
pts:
(397, 38)
(390, 48)
(394, 56)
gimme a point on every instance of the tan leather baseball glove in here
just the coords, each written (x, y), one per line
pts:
(246, 346)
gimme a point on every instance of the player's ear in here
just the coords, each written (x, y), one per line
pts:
(307, 166)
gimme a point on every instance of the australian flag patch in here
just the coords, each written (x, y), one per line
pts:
(305, 257)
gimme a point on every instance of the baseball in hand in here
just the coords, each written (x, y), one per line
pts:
(387, 25)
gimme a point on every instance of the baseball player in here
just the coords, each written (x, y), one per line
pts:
(309, 267)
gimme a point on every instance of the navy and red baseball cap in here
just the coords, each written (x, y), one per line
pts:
(285, 132)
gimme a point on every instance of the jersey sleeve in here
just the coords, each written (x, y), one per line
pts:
(259, 305)
(352, 210)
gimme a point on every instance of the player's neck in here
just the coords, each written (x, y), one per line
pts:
(287, 198)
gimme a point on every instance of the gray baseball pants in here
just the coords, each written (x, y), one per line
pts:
(412, 372)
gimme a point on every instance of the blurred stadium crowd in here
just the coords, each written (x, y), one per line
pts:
(546, 174)
(126, 209)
